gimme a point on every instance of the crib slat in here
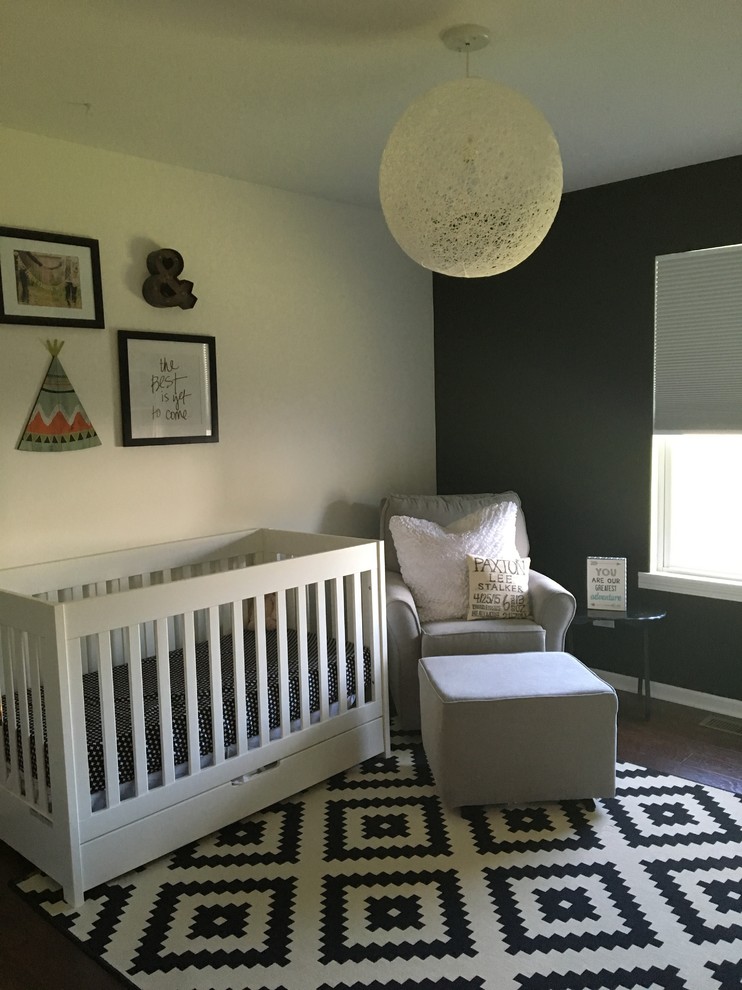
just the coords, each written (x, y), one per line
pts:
(4, 705)
(136, 701)
(13, 777)
(283, 663)
(189, 661)
(261, 662)
(21, 667)
(324, 692)
(147, 633)
(375, 607)
(301, 636)
(77, 776)
(215, 674)
(358, 639)
(39, 749)
(357, 613)
(100, 590)
(75, 594)
(238, 650)
(165, 701)
(342, 674)
(202, 625)
(108, 719)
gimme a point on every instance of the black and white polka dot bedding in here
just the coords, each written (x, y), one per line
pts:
(122, 701)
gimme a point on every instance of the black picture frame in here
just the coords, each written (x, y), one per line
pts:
(49, 279)
(168, 388)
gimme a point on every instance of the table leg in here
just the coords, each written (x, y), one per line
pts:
(645, 680)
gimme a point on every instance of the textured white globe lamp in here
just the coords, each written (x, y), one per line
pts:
(471, 176)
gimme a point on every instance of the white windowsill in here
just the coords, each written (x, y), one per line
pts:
(684, 584)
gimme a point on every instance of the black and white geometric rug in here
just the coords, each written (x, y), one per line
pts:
(367, 882)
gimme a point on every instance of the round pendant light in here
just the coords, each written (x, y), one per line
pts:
(471, 176)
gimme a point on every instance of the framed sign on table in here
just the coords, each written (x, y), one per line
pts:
(606, 583)
(49, 279)
(168, 388)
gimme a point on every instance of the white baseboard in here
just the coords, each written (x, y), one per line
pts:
(679, 696)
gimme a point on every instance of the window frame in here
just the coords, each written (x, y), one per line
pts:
(696, 342)
(660, 576)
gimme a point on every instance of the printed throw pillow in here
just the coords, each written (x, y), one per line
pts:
(432, 558)
(498, 587)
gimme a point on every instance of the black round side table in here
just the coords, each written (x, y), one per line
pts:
(636, 618)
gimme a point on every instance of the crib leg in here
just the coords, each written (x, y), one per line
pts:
(73, 895)
(73, 890)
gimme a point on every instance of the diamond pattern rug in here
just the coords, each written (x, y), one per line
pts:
(366, 881)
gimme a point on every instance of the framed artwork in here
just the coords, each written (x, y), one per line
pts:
(606, 583)
(49, 279)
(168, 388)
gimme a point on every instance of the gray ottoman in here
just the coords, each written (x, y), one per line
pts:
(517, 727)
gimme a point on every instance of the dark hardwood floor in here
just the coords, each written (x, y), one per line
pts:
(33, 956)
(674, 741)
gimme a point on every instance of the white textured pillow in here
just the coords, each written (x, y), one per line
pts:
(432, 558)
(498, 587)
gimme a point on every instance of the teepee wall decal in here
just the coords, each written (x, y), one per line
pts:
(58, 421)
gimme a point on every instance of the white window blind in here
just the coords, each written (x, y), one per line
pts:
(698, 341)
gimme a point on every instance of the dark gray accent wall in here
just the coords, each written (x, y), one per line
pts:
(544, 385)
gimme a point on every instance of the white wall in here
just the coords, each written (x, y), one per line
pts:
(324, 347)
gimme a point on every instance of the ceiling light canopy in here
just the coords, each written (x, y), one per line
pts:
(471, 176)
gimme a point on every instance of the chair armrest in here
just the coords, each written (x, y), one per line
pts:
(553, 608)
(398, 594)
(403, 648)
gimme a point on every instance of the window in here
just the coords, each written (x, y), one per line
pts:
(696, 542)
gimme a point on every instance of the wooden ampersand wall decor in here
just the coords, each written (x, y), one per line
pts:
(163, 287)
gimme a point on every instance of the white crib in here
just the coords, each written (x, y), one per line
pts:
(169, 706)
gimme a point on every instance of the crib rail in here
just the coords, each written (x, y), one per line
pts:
(83, 577)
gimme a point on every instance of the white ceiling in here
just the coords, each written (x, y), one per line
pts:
(302, 94)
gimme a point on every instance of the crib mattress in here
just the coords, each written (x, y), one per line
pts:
(122, 702)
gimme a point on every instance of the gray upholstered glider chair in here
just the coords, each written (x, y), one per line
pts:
(552, 606)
